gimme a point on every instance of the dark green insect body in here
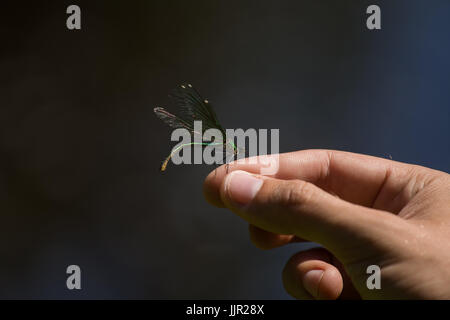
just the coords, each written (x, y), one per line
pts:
(192, 108)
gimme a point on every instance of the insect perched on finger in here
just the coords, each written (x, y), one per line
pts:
(193, 107)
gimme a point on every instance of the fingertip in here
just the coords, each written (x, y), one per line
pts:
(239, 188)
(308, 275)
(323, 284)
(266, 240)
(331, 284)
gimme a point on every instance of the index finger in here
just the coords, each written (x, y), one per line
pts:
(353, 177)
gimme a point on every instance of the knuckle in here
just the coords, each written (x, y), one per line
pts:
(294, 193)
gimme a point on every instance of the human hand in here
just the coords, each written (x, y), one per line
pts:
(363, 210)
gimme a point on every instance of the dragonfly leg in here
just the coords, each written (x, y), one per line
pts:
(227, 158)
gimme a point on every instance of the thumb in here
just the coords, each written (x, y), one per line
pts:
(302, 209)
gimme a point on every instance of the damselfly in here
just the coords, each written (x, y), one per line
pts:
(194, 108)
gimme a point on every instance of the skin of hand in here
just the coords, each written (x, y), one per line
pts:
(362, 210)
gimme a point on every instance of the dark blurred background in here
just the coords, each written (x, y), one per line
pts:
(80, 147)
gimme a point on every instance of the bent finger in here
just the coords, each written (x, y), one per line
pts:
(309, 275)
(265, 240)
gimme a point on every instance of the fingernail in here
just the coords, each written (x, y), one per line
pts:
(311, 281)
(242, 187)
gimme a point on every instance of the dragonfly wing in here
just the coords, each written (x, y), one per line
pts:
(172, 120)
(194, 107)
